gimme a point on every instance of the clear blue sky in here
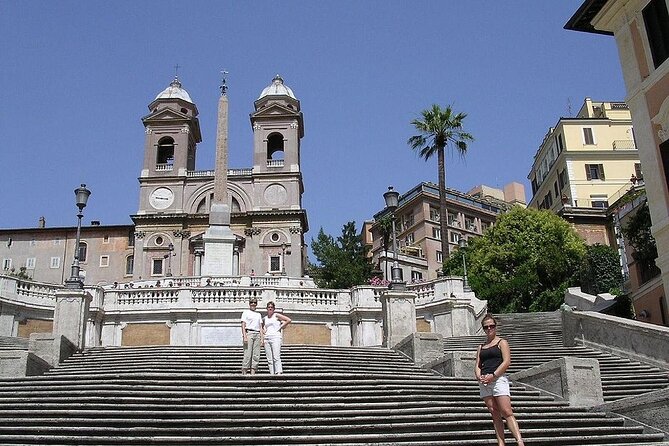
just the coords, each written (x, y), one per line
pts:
(76, 77)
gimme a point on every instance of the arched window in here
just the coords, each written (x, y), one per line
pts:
(83, 251)
(275, 146)
(165, 151)
(129, 265)
(234, 207)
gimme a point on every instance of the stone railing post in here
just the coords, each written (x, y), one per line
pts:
(399, 316)
(71, 314)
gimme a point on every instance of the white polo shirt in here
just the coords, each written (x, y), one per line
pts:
(252, 319)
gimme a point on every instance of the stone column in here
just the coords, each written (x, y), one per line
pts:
(399, 316)
(71, 314)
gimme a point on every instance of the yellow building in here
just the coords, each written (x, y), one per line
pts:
(583, 164)
(641, 30)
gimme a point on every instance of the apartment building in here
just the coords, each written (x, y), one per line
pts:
(641, 30)
(418, 231)
(583, 164)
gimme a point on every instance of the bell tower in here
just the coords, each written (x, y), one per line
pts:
(172, 132)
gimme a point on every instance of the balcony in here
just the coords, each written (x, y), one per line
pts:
(624, 144)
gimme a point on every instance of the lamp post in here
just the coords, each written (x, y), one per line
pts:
(392, 201)
(170, 247)
(462, 243)
(283, 259)
(74, 282)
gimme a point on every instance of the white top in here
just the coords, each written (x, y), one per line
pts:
(252, 319)
(272, 326)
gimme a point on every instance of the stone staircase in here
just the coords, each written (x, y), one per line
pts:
(329, 395)
(536, 338)
(13, 343)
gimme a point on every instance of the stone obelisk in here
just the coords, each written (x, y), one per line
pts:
(219, 240)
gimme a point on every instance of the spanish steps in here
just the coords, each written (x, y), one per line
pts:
(159, 395)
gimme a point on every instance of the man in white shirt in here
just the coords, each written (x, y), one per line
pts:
(252, 337)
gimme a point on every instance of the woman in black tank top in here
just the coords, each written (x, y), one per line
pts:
(493, 357)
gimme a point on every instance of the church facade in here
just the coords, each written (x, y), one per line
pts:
(166, 239)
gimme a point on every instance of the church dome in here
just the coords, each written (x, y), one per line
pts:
(174, 91)
(277, 88)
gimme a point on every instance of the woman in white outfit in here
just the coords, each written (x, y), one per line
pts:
(272, 325)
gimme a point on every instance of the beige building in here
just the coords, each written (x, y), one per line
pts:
(166, 240)
(418, 231)
(583, 164)
(641, 30)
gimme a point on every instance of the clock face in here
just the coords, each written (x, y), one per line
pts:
(161, 198)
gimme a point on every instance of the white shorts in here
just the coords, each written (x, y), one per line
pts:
(498, 387)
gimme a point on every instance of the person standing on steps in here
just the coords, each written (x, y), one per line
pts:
(251, 337)
(272, 327)
(493, 357)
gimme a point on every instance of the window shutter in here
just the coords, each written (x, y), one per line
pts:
(587, 172)
(601, 172)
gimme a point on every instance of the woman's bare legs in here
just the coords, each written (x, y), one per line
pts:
(497, 421)
(503, 404)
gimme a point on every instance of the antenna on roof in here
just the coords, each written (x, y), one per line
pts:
(224, 86)
(176, 71)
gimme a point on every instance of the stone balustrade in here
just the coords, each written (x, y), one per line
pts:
(211, 302)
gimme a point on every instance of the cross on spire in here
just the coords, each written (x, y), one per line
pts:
(176, 71)
(223, 87)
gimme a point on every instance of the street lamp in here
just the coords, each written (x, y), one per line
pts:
(74, 282)
(462, 243)
(283, 258)
(170, 247)
(392, 198)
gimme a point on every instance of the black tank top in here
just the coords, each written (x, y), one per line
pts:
(490, 358)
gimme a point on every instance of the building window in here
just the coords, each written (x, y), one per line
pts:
(453, 220)
(104, 261)
(165, 151)
(131, 237)
(407, 221)
(594, 171)
(535, 186)
(56, 242)
(440, 257)
(7, 264)
(416, 276)
(105, 239)
(588, 137)
(484, 226)
(410, 238)
(434, 214)
(562, 179)
(664, 154)
(83, 251)
(275, 264)
(30, 263)
(638, 173)
(470, 224)
(656, 19)
(55, 263)
(556, 188)
(599, 201)
(157, 267)
(129, 265)
(436, 233)
(454, 237)
(560, 143)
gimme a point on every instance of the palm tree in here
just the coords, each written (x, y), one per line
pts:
(437, 129)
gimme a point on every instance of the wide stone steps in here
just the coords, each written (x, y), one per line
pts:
(13, 343)
(344, 396)
(621, 377)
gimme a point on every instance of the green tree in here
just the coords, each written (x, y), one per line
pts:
(600, 270)
(439, 128)
(524, 262)
(637, 232)
(342, 263)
